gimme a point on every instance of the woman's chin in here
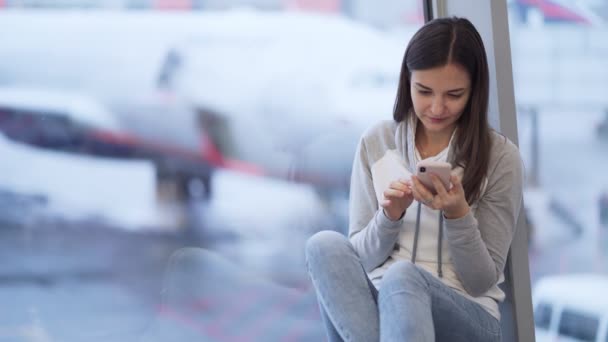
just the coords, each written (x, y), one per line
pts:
(433, 127)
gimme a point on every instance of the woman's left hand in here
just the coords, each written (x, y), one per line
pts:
(452, 201)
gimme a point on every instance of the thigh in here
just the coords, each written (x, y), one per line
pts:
(334, 266)
(457, 318)
(345, 293)
(333, 335)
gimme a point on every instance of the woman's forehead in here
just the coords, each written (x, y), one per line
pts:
(447, 76)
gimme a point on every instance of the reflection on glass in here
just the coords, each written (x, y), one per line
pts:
(163, 162)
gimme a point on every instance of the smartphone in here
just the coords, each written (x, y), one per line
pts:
(441, 169)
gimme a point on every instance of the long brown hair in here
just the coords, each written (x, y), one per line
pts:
(438, 43)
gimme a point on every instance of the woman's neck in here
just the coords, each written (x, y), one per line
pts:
(430, 144)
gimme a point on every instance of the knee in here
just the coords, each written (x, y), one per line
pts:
(325, 244)
(192, 274)
(403, 275)
(192, 259)
(187, 260)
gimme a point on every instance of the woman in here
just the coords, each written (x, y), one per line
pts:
(418, 266)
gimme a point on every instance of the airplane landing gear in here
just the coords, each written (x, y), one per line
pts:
(603, 203)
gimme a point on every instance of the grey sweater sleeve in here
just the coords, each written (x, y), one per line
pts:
(479, 243)
(371, 233)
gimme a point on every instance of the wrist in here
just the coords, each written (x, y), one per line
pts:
(393, 217)
(456, 214)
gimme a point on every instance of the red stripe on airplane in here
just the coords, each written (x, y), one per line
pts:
(148, 146)
(173, 4)
(555, 11)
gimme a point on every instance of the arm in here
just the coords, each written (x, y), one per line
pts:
(479, 243)
(371, 233)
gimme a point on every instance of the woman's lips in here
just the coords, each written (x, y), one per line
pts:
(436, 120)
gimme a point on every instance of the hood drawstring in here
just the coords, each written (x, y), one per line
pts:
(439, 242)
(416, 232)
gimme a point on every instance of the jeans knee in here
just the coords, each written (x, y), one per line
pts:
(324, 244)
(403, 275)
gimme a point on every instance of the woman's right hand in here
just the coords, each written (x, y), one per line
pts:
(397, 198)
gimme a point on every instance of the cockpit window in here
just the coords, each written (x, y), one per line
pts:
(542, 315)
(578, 325)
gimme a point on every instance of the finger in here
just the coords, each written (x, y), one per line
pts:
(405, 185)
(456, 183)
(409, 185)
(406, 182)
(422, 190)
(385, 203)
(439, 187)
(397, 185)
(392, 193)
(418, 197)
(424, 195)
(455, 180)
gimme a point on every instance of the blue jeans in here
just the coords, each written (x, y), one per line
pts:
(411, 305)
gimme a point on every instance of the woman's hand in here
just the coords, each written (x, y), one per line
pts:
(452, 201)
(397, 198)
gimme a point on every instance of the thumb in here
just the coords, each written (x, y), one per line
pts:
(455, 180)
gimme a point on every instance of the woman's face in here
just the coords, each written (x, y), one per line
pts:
(439, 96)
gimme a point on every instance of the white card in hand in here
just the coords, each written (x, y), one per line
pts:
(387, 169)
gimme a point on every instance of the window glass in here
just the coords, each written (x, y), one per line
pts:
(164, 161)
(560, 81)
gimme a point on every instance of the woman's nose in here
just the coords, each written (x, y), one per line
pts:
(437, 107)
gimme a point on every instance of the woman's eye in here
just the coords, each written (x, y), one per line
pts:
(455, 96)
(424, 92)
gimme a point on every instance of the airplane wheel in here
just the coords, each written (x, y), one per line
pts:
(198, 188)
(604, 210)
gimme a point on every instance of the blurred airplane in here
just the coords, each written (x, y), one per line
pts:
(536, 12)
(76, 123)
(285, 95)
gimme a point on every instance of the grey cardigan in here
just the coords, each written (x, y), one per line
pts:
(477, 244)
